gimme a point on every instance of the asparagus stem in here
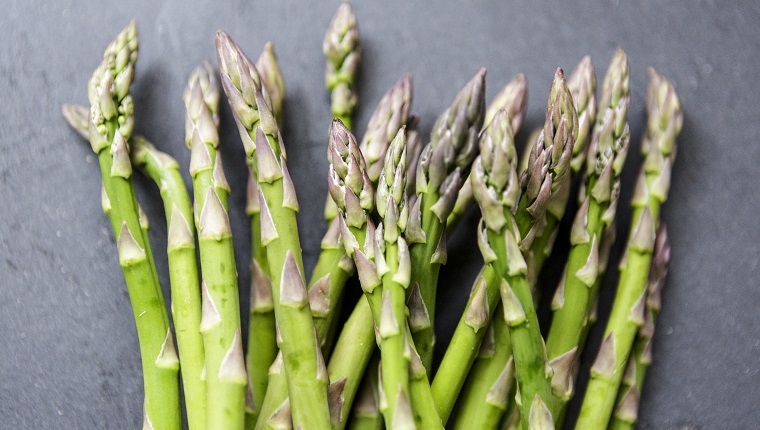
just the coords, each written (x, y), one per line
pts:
(110, 125)
(496, 187)
(183, 266)
(351, 357)
(539, 381)
(342, 49)
(628, 309)
(353, 193)
(514, 98)
(442, 164)
(582, 85)
(183, 273)
(366, 413)
(334, 267)
(226, 378)
(485, 396)
(261, 323)
(626, 411)
(608, 149)
(302, 358)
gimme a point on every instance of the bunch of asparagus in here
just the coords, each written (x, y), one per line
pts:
(392, 201)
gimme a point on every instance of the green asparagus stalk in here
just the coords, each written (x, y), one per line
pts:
(183, 273)
(521, 220)
(481, 407)
(225, 373)
(394, 268)
(607, 153)
(485, 395)
(497, 190)
(334, 267)
(366, 412)
(539, 381)
(582, 85)
(514, 98)
(628, 310)
(350, 188)
(626, 411)
(353, 193)
(183, 266)
(302, 359)
(261, 323)
(342, 49)
(111, 123)
(442, 165)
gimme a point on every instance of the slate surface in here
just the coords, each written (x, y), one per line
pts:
(68, 348)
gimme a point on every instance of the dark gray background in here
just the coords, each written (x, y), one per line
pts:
(68, 348)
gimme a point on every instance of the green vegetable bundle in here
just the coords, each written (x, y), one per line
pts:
(392, 200)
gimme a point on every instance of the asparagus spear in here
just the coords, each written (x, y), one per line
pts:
(349, 186)
(261, 323)
(353, 193)
(485, 395)
(582, 85)
(514, 98)
(497, 189)
(111, 124)
(626, 411)
(365, 414)
(333, 267)
(539, 381)
(548, 165)
(658, 146)
(343, 52)
(302, 358)
(608, 149)
(442, 164)
(226, 377)
(183, 266)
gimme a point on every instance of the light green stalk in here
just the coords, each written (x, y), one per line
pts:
(497, 189)
(111, 124)
(442, 165)
(514, 99)
(628, 309)
(302, 358)
(353, 194)
(183, 266)
(539, 381)
(225, 373)
(365, 414)
(480, 405)
(183, 273)
(607, 153)
(334, 267)
(261, 322)
(486, 394)
(626, 411)
(342, 49)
